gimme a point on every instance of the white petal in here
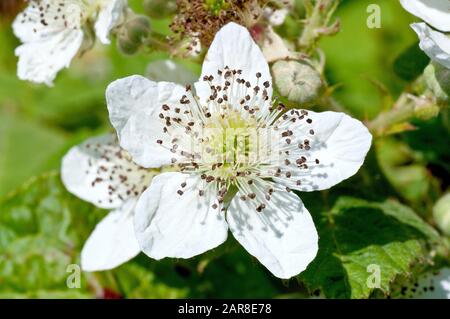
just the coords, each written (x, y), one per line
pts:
(432, 285)
(282, 236)
(433, 12)
(112, 242)
(41, 61)
(171, 225)
(134, 104)
(49, 44)
(169, 71)
(110, 15)
(96, 170)
(435, 44)
(234, 47)
(339, 143)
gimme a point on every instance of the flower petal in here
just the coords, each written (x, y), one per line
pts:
(435, 44)
(41, 61)
(282, 236)
(49, 44)
(99, 172)
(112, 242)
(434, 12)
(172, 225)
(234, 47)
(169, 71)
(110, 15)
(337, 146)
(134, 105)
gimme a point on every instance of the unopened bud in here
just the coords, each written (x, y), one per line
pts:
(160, 8)
(441, 214)
(298, 81)
(125, 45)
(437, 79)
(133, 34)
(138, 28)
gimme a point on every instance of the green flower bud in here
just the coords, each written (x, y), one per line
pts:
(437, 79)
(133, 34)
(138, 28)
(125, 45)
(298, 81)
(441, 214)
(159, 9)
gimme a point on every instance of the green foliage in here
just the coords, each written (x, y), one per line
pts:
(411, 63)
(358, 57)
(355, 234)
(43, 229)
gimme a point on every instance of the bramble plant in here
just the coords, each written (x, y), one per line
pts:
(166, 149)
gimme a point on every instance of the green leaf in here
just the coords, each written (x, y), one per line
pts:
(42, 231)
(355, 234)
(411, 63)
(26, 149)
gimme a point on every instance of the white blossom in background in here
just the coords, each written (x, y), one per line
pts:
(100, 172)
(52, 32)
(434, 34)
(232, 157)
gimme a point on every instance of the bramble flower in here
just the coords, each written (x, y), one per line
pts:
(434, 34)
(232, 157)
(54, 31)
(100, 172)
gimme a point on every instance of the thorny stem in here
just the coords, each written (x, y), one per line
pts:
(318, 16)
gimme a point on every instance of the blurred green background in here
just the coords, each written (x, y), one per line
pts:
(42, 227)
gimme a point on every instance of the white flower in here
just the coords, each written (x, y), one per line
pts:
(100, 172)
(234, 155)
(431, 285)
(434, 42)
(53, 31)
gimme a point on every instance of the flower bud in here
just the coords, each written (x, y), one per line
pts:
(437, 79)
(138, 28)
(133, 34)
(125, 45)
(441, 214)
(298, 81)
(160, 8)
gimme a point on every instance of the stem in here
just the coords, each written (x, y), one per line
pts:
(318, 16)
(403, 110)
